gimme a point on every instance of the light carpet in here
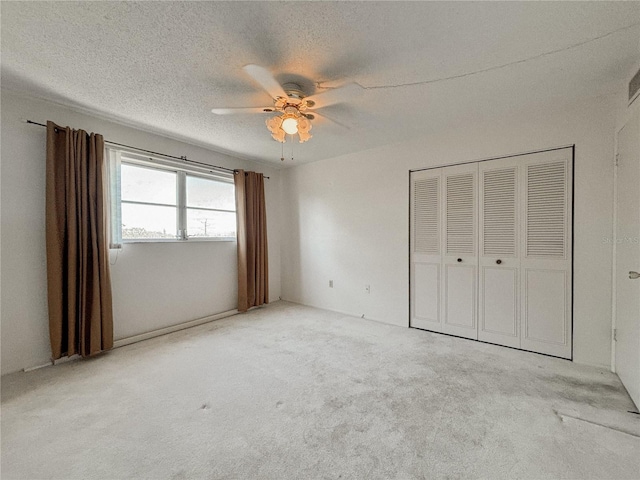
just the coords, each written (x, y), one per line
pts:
(293, 392)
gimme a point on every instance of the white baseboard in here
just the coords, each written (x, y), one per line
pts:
(174, 328)
(52, 362)
(349, 314)
(152, 334)
(36, 367)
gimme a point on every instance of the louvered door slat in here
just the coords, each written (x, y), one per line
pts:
(426, 216)
(546, 213)
(460, 213)
(499, 212)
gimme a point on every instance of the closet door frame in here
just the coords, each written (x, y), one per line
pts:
(571, 240)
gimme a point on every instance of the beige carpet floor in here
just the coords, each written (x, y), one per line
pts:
(292, 392)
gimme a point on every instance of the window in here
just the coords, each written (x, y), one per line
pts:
(155, 200)
(211, 207)
(148, 202)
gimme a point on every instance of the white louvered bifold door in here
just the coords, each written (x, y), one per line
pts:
(426, 249)
(460, 256)
(545, 280)
(499, 261)
(491, 251)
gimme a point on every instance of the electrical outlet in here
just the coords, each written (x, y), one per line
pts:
(330, 283)
(367, 288)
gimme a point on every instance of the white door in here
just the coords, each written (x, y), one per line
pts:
(426, 249)
(545, 262)
(628, 256)
(460, 259)
(499, 260)
(491, 251)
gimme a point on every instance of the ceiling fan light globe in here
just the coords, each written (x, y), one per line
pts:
(290, 125)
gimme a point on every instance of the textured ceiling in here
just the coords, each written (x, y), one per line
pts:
(164, 65)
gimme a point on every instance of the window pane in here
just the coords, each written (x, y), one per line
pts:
(148, 221)
(207, 193)
(203, 223)
(140, 184)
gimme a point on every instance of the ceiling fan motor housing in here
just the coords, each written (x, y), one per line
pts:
(293, 90)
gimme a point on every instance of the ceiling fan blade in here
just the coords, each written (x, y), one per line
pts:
(265, 79)
(330, 120)
(227, 111)
(335, 95)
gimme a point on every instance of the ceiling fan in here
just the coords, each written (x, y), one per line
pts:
(295, 110)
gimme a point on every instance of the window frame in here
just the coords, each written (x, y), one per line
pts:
(125, 157)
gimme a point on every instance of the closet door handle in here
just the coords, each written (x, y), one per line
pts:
(498, 261)
(459, 260)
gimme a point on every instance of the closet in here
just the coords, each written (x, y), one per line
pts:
(491, 251)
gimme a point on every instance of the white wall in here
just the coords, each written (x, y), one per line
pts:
(347, 217)
(154, 285)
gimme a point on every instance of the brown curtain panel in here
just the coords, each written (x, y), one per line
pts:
(78, 280)
(253, 264)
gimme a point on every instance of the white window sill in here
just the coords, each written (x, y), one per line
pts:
(176, 240)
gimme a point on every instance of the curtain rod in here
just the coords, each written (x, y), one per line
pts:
(182, 158)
